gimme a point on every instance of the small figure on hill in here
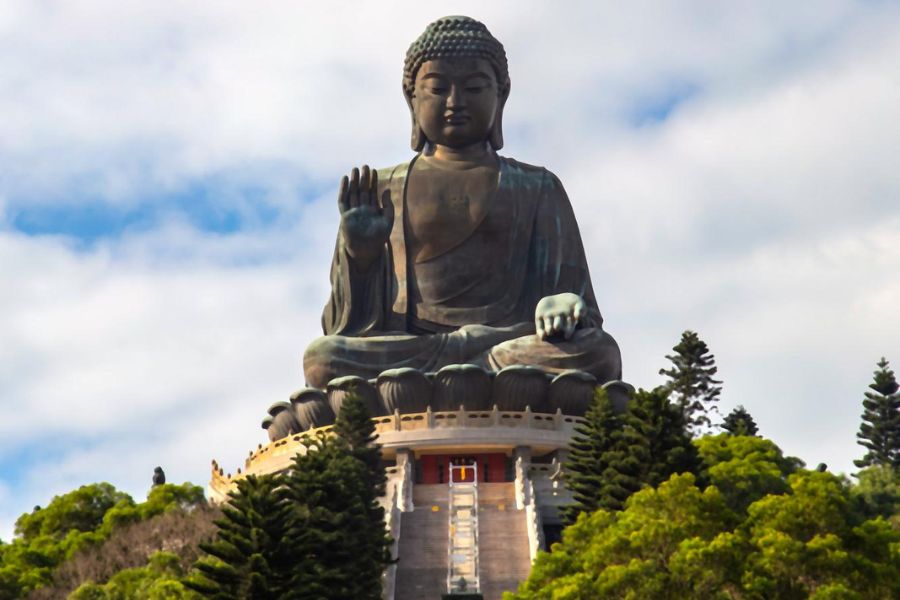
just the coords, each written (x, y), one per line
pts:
(159, 476)
(740, 422)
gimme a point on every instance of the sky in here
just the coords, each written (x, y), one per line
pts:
(168, 182)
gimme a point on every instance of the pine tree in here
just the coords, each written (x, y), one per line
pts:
(669, 446)
(606, 456)
(337, 537)
(250, 560)
(691, 380)
(354, 425)
(879, 431)
(740, 422)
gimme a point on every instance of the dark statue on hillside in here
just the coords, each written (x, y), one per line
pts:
(460, 255)
(159, 476)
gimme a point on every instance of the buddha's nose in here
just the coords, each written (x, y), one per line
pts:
(455, 99)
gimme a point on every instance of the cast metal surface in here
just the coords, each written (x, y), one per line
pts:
(460, 256)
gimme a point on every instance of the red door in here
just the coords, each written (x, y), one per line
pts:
(435, 468)
(464, 469)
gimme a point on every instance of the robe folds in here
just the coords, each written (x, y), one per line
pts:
(475, 302)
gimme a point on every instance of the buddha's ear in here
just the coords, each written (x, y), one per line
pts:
(417, 139)
(496, 135)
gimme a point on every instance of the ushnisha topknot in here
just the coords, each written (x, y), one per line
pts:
(455, 37)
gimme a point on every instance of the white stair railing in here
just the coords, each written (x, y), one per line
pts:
(462, 547)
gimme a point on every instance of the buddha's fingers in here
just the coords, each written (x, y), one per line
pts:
(344, 195)
(557, 324)
(354, 188)
(579, 310)
(539, 328)
(373, 186)
(548, 326)
(569, 327)
(364, 186)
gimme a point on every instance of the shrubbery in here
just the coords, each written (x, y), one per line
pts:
(762, 529)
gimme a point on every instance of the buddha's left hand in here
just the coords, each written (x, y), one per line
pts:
(557, 314)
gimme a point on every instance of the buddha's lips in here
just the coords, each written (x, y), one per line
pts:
(456, 120)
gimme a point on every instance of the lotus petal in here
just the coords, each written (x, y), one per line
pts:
(518, 386)
(572, 392)
(619, 394)
(456, 385)
(311, 408)
(405, 390)
(339, 388)
(283, 421)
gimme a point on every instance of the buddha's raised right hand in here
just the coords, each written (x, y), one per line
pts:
(365, 224)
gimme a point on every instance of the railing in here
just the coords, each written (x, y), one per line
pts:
(474, 418)
(284, 449)
(462, 532)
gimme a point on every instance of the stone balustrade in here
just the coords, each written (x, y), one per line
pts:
(429, 429)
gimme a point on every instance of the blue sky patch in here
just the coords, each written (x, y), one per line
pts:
(657, 106)
(208, 207)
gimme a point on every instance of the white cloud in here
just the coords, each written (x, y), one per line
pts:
(116, 97)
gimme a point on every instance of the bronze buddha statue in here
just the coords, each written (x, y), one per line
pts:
(460, 255)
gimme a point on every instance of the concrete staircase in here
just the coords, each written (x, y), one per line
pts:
(422, 568)
(503, 556)
(503, 540)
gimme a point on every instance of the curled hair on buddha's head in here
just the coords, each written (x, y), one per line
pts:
(456, 37)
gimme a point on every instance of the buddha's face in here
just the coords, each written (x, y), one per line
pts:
(455, 100)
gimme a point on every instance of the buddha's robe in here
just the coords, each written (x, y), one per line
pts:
(473, 303)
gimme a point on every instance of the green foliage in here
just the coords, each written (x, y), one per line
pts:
(806, 542)
(606, 456)
(691, 380)
(316, 531)
(74, 523)
(338, 539)
(354, 425)
(877, 493)
(249, 557)
(678, 542)
(627, 554)
(744, 468)
(159, 580)
(668, 443)
(613, 455)
(47, 536)
(161, 499)
(81, 510)
(879, 431)
(740, 422)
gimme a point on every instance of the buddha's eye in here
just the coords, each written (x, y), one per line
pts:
(438, 90)
(474, 89)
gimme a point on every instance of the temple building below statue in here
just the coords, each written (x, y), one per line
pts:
(500, 452)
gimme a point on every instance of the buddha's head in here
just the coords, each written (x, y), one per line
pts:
(456, 83)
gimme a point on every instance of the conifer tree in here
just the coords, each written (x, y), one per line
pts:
(606, 457)
(879, 431)
(691, 380)
(662, 425)
(249, 557)
(354, 425)
(337, 537)
(740, 422)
